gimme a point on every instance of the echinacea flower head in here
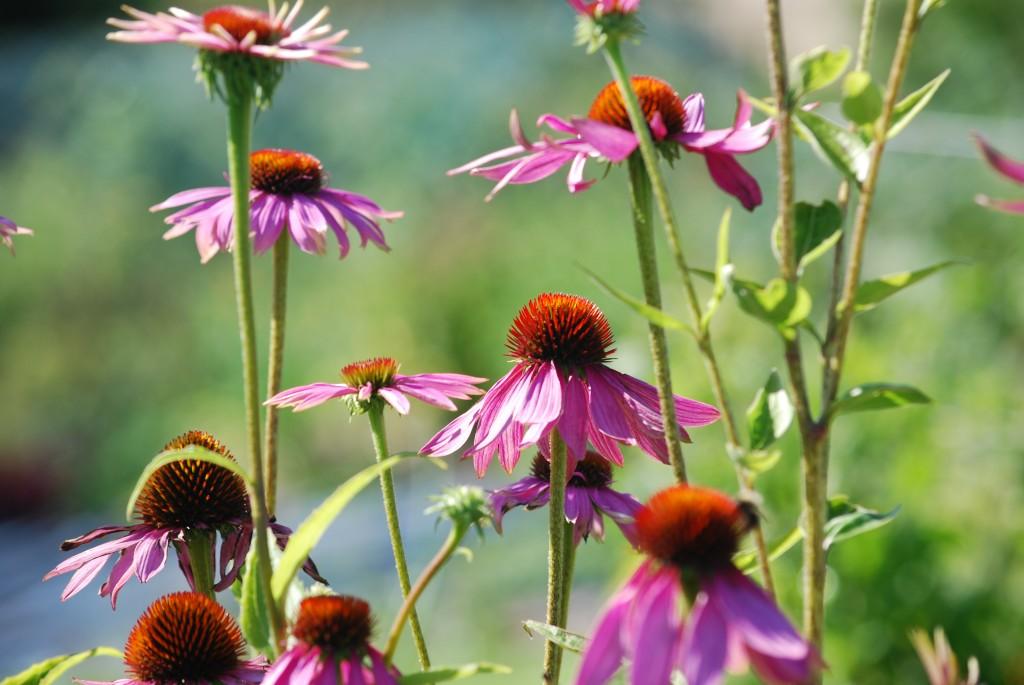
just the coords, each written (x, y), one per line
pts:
(588, 497)
(288, 190)
(331, 646)
(186, 637)
(378, 379)
(7, 229)
(180, 501)
(1006, 167)
(605, 134)
(689, 535)
(560, 345)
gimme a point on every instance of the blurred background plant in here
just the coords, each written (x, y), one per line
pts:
(112, 341)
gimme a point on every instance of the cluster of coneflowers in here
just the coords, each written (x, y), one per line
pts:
(687, 608)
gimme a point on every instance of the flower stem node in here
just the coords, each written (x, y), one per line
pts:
(595, 30)
(238, 76)
(465, 506)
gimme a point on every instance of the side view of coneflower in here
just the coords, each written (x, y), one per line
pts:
(186, 637)
(331, 646)
(8, 229)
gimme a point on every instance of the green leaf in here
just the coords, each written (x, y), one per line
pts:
(746, 560)
(929, 5)
(47, 672)
(816, 228)
(443, 673)
(560, 636)
(193, 452)
(872, 293)
(872, 396)
(770, 414)
(652, 314)
(909, 107)
(759, 461)
(723, 270)
(846, 520)
(862, 98)
(836, 144)
(253, 618)
(779, 303)
(817, 68)
(308, 534)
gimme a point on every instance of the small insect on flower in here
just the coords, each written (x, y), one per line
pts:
(181, 501)
(288, 189)
(689, 536)
(7, 229)
(1006, 167)
(606, 134)
(186, 637)
(332, 646)
(560, 344)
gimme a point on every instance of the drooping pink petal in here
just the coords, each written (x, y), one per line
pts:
(189, 196)
(454, 435)
(1008, 206)
(655, 627)
(1009, 168)
(705, 644)
(572, 425)
(612, 142)
(396, 399)
(542, 401)
(728, 175)
(306, 396)
(605, 651)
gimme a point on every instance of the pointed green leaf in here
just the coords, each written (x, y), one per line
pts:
(782, 304)
(445, 673)
(909, 107)
(872, 293)
(770, 414)
(253, 618)
(862, 98)
(652, 314)
(817, 68)
(192, 452)
(308, 534)
(559, 636)
(837, 145)
(723, 270)
(929, 5)
(746, 560)
(846, 520)
(816, 228)
(759, 461)
(872, 396)
(47, 672)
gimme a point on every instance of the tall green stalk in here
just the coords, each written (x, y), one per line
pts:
(387, 490)
(278, 311)
(557, 583)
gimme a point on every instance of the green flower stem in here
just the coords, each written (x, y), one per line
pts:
(568, 568)
(200, 556)
(408, 607)
(387, 490)
(646, 180)
(240, 113)
(556, 557)
(278, 311)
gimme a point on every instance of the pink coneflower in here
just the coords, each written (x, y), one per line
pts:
(233, 28)
(603, 7)
(690, 535)
(288, 189)
(7, 229)
(588, 495)
(380, 378)
(332, 647)
(180, 500)
(1008, 168)
(186, 637)
(606, 134)
(561, 344)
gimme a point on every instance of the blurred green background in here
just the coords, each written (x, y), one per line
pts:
(112, 341)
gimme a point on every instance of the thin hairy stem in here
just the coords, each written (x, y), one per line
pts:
(278, 311)
(556, 557)
(568, 568)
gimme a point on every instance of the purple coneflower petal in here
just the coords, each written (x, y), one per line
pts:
(606, 650)
(1008, 206)
(728, 175)
(705, 644)
(312, 395)
(1009, 168)
(396, 399)
(654, 627)
(572, 425)
(612, 142)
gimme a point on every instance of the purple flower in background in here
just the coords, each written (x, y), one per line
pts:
(588, 496)
(332, 647)
(560, 344)
(181, 499)
(186, 637)
(7, 229)
(232, 28)
(602, 7)
(288, 189)
(606, 134)
(692, 533)
(1008, 168)
(380, 378)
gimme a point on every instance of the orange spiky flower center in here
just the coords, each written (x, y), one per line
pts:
(340, 623)
(692, 528)
(285, 172)
(379, 372)
(185, 637)
(656, 97)
(192, 493)
(240, 21)
(593, 471)
(566, 329)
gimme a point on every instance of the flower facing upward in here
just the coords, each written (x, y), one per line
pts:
(181, 499)
(588, 495)
(379, 377)
(689, 535)
(186, 637)
(606, 134)
(332, 646)
(1006, 167)
(233, 28)
(560, 344)
(7, 229)
(287, 189)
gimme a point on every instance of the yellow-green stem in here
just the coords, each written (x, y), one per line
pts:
(278, 311)
(556, 556)
(200, 557)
